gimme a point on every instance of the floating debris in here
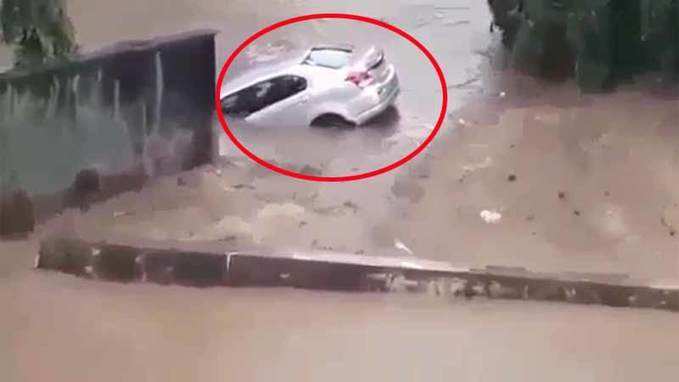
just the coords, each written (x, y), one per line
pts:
(490, 217)
(311, 170)
(464, 84)
(285, 209)
(480, 165)
(241, 186)
(402, 247)
(350, 205)
(456, 23)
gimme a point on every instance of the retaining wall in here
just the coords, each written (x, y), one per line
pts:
(103, 122)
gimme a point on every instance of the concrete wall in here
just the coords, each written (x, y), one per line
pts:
(142, 107)
(137, 103)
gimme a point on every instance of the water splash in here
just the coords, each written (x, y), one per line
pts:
(116, 100)
(159, 92)
(144, 119)
(53, 101)
(147, 157)
(8, 102)
(76, 90)
(98, 89)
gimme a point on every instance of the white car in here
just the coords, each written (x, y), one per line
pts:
(331, 85)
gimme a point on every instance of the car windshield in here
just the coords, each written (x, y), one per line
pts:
(330, 58)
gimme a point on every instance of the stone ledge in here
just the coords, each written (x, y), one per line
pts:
(208, 265)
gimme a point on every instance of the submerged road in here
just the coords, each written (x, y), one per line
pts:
(399, 130)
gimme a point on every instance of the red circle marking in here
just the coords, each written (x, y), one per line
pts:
(348, 16)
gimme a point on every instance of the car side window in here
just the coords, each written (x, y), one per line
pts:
(280, 88)
(262, 94)
(238, 104)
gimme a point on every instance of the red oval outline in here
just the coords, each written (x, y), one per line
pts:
(349, 16)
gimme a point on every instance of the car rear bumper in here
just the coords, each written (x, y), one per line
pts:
(378, 108)
(378, 98)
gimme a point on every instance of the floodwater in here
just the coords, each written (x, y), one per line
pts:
(593, 189)
(336, 152)
(333, 153)
(60, 328)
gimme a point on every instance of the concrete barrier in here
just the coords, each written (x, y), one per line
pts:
(17, 214)
(194, 265)
(114, 262)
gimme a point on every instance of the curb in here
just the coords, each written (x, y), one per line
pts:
(334, 271)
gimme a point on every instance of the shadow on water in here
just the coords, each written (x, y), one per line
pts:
(387, 120)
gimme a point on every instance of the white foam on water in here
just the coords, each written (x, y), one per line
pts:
(116, 100)
(159, 92)
(52, 101)
(98, 85)
(76, 91)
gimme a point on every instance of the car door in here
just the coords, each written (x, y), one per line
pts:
(284, 101)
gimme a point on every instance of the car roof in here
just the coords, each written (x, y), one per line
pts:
(292, 65)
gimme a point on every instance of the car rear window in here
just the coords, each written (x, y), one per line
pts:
(329, 58)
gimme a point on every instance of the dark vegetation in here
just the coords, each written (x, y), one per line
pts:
(599, 42)
(39, 30)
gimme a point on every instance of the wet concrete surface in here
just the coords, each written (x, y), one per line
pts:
(583, 197)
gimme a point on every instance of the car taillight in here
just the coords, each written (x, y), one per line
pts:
(359, 79)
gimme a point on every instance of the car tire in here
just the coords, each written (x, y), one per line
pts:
(332, 120)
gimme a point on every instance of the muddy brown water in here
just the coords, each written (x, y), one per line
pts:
(59, 328)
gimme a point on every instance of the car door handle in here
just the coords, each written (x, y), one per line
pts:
(304, 99)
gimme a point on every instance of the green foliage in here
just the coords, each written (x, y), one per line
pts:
(661, 34)
(508, 17)
(603, 41)
(39, 30)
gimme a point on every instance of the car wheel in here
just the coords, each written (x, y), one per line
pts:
(332, 120)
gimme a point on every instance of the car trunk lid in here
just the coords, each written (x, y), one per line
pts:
(371, 60)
